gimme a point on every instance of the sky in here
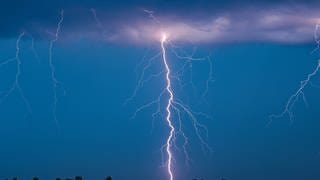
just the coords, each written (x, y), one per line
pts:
(237, 62)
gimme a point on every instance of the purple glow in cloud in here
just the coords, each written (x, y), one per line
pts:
(277, 24)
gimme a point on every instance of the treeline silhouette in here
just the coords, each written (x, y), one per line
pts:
(81, 178)
(58, 178)
(203, 179)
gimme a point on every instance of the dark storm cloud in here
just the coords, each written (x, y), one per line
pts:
(195, 21)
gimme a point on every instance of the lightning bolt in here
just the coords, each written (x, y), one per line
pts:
(173, 105)
(168, 108)
(303, 84)
(55, 82)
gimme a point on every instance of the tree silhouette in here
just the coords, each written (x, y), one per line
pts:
(78, 178)
(35, 178)
(109, 178)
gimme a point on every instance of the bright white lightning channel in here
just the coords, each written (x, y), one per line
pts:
(176, 111)
(168, 108)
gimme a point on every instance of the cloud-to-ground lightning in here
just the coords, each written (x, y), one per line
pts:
(175, 111)
(55, 82)
(303, 84)
(168, 108)
(176, 105)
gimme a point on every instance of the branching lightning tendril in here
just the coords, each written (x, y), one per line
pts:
(16, 85)
(303, 84)
(55, 82)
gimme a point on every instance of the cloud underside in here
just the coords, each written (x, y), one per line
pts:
(277, 23)
(281, 25)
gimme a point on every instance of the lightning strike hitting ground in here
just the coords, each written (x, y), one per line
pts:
(168, 108)
(55, 82)
(174, 106)
(303, 84)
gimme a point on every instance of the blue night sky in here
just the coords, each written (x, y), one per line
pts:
(259, 55)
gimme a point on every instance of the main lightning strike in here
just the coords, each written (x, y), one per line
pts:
(175, 111)
(174, 105)
(168, 108)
